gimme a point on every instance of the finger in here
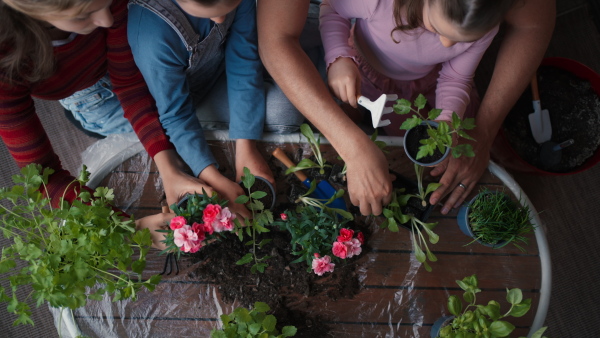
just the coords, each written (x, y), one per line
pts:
(351, 92)
(456, 197)
(441, 168)
(365, 208)
(388, 198)
(376, 209)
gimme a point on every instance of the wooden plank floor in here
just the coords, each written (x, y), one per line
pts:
(398, 297)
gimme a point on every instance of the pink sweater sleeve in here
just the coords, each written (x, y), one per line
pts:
(456, 78)
(335, 25)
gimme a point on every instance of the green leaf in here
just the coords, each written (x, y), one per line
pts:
(434, 114)
(254, 328)
(392, 225)
(539, 333)
(258, 194)
(424, 150)
(269, 323)
(501, 328)
(420, 101)
(289, 331)
(402, 106)
(454, 305)
(243, 199)
(410, 123)
(468, 123)
(246, 259)
(248, 179)
(431, 187)
(261, 307)
(514, 296)
(519, 310)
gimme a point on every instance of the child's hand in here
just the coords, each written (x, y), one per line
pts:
(226, 189)
(344, 79)
(153, 223)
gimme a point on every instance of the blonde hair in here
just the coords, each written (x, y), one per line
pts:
(24, 39)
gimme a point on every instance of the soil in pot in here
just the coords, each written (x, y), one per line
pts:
(574, 110)
(412, 143)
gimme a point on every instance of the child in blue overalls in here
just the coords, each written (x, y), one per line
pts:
(202, 66)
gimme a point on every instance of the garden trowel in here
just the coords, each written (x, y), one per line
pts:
(323, 191)
(539, 120)
(378, 108)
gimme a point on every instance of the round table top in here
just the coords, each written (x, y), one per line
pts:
(397, 296)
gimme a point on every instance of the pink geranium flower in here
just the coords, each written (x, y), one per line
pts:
(322, 265)
(185, 238)
(283, 217)
(353, 247)
(340, 250)
(223, 221)
(361, 238)
(177, 222)
(196, 247)
(345, 235)
(199, 230)
(210, 213)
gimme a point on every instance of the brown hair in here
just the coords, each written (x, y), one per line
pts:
(24, 40)
(476, 16)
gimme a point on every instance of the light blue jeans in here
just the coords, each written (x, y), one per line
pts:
(98, 109)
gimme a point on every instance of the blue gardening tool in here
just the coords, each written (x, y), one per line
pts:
(323, 191)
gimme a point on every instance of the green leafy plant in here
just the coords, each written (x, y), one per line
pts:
(261, 218)
(494, 218)
(315, 146)
(440, 138)
(71, 253)
(394, 216)
(313, 231)
(244, 323)
(306, 200)
(476, 320)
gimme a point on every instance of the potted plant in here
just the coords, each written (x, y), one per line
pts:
(477, 320)
(70, 253)
(410, 208)
(493, 219)
(428, 142)
(251, 323)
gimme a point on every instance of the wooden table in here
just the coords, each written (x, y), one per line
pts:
(398, 298)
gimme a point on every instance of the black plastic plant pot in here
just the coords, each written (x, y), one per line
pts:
(465, 226)
(262, 184)
(182, 204)
(412, 143)
(439, 324)
(414, 205)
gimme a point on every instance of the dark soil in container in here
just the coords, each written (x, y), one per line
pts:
(413, 143)
(574, 110)
(415, 205)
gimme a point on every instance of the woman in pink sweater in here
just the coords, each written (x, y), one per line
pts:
(409, 47)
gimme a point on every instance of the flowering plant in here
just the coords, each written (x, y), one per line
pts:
(199, 218)
(318, 232)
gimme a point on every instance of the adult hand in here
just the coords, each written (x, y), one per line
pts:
(369, 180)
(177, 184)
(460, 175)
(155, 222)
(344, 80)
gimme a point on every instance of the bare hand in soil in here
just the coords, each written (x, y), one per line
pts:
(465, 170)
(369, 180)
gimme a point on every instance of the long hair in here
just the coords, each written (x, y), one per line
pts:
(24, 40)
(477, 16)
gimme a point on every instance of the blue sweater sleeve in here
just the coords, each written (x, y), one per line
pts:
(245, 86)
(162, 57)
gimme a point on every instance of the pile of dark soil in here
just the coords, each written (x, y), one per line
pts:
(574, 109)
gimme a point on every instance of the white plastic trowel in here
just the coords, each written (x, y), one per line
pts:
(378, 108)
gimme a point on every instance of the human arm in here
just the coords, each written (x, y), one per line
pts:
(529, 29)
(455, 79)
(280, 24)
(343, 76)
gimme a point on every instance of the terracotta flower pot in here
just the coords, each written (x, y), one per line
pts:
(504, 154)
(411, 142)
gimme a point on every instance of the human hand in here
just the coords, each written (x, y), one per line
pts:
(369, 180)
(460, 175)
(344, 79)
(178, 184)
(226, 189)
(155, 222)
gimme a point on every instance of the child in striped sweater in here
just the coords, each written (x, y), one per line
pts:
(54, 49)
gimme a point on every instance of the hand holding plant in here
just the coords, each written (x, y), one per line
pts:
(69, 250)
(440, 138)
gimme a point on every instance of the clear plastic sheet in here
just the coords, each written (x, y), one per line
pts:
(398, 298)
